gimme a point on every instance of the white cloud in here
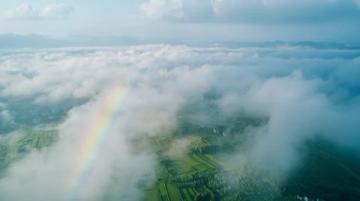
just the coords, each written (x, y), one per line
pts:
(29, 12)
(57, 173)
(258, 11)
(157, 9)
(118, 164)
(302, 93)
(177, 9)
(5, 116)
(298, 111)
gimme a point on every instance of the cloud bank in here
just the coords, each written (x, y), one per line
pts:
(303, 92)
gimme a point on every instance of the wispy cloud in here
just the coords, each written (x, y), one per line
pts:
(249, 11)
(30, 12)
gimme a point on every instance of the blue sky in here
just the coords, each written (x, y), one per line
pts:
(188, 20)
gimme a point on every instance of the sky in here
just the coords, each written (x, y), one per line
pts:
(187, 20)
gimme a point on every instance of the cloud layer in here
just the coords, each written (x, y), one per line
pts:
(303, 93)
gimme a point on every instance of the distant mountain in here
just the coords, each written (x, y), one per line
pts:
(309, 44)
(21, 41)
(41, 41)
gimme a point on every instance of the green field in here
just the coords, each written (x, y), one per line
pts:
(190, 167)
(18, 144)
(327, 174)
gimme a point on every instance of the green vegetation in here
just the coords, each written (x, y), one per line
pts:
(18, 144)
(328, 173)
(191, 168)
(200, 175)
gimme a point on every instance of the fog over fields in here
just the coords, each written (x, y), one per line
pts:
(298, 93)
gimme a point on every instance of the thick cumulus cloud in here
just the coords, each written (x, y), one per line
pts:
(298, 111)
(302, 92)
(261, 11)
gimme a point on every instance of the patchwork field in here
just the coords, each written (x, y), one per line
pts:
(192, 167)
(200, 174)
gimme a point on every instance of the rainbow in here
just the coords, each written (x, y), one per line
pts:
(95, 136)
